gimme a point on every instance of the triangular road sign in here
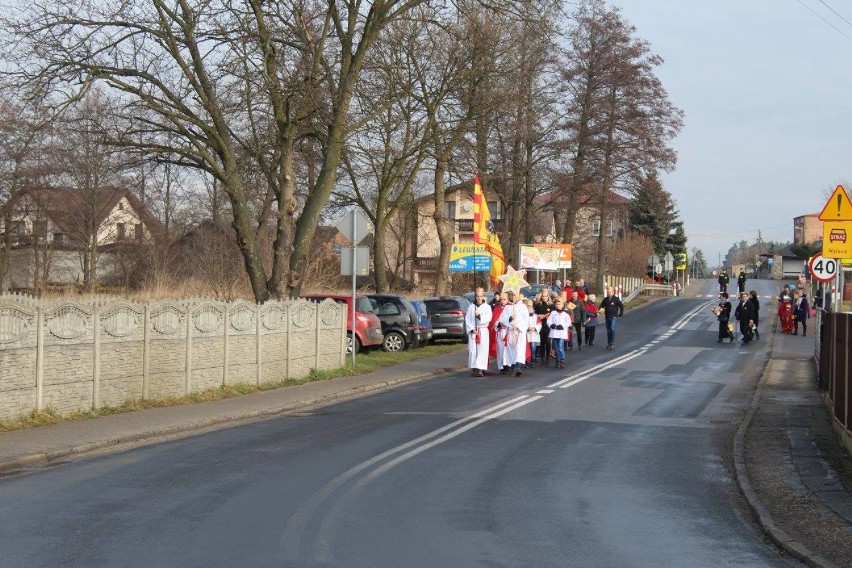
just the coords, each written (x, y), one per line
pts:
(838, 207)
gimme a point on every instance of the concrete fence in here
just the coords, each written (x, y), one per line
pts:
(79, 355)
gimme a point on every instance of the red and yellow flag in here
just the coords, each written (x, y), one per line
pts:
(483, 233)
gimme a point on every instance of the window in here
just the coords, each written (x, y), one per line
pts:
(596, 228)
(19, 228)
(450, 209)
(40, 229)
(121, 231)
(121, 206)
(494, 209)
(138, 232)
(58, 238)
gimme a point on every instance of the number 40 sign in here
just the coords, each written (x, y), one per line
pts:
(823, 269)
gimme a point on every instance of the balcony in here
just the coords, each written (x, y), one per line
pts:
(466, 225)
(426, 263)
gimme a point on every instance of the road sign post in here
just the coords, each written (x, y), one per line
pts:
(823, 269)
(354, 227)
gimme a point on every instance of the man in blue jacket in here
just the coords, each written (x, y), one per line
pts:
(612, 309)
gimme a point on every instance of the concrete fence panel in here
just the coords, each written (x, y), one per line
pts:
(78, 355)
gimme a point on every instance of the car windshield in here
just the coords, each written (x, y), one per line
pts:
(363, 305)
(440, 306)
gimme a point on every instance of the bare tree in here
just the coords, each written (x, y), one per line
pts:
(384, 155)
(236, 86)
(24, 130)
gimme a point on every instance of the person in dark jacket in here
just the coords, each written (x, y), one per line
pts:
(723, 281)
(723, 315)
(802, 312)
(578, 318)
(542, 306)
(612, 309)
(745, 315)
(755, 304)
(741, 281)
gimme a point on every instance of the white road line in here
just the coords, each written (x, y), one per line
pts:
(614, 364)
(408, 455)
(600, 367)
(545, 391)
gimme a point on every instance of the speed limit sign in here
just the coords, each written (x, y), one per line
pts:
(823, 269)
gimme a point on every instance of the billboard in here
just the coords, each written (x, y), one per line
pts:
(469, 257)
(543, 256)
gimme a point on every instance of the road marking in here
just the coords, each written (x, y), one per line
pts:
(545, 391)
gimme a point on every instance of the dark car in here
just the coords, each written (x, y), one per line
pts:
(424, 328)
(471, 296)
(448, 316)
(368, 328)
(399, 321)
(533, 289)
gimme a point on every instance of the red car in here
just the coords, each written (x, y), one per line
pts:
(368, 328)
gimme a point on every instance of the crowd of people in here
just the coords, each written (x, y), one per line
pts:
(518, 333)
(793, 310)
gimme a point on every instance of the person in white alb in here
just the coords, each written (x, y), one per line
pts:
(501, 336)
(533, 332)
(514, 320)
(560, 322)
(476, 322)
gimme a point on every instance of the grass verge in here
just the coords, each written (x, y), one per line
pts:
(364, 363)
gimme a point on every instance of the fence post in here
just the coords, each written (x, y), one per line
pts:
(96, 357)
(316, 335)
(343, 335)
(845, 355)
(188, 379)
(289, 338)
(257, 343)
(39, 401)
(146, 344)
(225, 344)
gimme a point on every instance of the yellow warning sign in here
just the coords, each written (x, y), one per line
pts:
(838, 207)
(837, 240)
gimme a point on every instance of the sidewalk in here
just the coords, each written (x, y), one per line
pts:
(789, 464)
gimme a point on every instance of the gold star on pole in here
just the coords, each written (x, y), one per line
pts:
(513, 280)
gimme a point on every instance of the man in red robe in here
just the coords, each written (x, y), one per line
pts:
(492, 331)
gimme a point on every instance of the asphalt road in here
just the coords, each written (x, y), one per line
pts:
(621, 459)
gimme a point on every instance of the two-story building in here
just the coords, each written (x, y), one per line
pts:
(807, 229)
(57, 233)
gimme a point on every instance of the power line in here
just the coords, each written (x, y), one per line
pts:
(835, 12)
(818, 15)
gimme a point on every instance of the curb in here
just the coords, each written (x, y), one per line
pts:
(15, 465)
(790, 545)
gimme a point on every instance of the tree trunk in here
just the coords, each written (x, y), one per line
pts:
(445, 235)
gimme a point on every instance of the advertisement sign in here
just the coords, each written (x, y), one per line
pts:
(469, 258)
(544, 256)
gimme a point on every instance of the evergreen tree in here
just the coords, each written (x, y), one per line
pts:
(652, 213)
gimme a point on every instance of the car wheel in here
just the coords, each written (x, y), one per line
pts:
(349, 344)
(393, 342)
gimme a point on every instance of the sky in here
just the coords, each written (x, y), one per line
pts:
(766, 89)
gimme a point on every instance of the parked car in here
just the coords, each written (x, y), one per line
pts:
(399, 321)
(368, 328)
(533, 289)
(424, 328)
(448, 316)
(471, 296)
